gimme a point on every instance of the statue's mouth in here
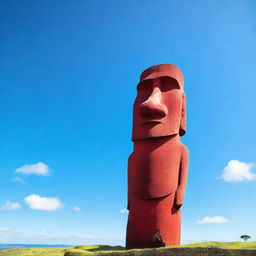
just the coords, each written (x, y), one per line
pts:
(151, 122)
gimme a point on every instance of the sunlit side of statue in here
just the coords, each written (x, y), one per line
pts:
(158, 167)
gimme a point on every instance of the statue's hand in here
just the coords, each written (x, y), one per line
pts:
(178, 198)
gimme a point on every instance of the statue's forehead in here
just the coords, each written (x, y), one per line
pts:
(163, 70)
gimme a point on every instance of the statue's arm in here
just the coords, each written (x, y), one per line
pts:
(129, 180)
(183, 175)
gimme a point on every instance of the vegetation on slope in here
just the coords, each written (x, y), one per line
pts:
(94, 250)
(33, 252)
(225, 245)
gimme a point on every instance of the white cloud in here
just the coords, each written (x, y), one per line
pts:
(10, 206)
(124, 210)
(5, 229)
(44, 233)
(213, 220)
(238, 171)
(17, 179)
(37, 169)
(76, 208)
(46, 237)
(37, 202)
(7, 233)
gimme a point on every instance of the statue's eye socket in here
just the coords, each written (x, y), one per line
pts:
(144, 87)
(168, 83)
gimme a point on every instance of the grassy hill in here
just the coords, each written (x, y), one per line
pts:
(34, 252)
(94, 250)
(225, 245)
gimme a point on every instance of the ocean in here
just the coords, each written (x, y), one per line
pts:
(11, 246)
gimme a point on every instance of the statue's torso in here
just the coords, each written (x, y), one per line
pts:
(155, 171)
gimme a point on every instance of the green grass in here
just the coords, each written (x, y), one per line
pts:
(33, 252)
(96, 248)
(225, 245)
(93, 250)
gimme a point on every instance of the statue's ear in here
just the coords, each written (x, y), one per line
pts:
(183, 116)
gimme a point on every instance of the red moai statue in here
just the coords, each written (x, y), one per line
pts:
(158, 167)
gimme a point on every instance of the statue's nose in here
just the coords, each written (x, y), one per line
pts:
(152, 108)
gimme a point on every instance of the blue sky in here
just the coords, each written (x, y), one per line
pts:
(68, 75)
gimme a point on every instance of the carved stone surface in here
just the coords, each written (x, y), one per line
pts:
(158, 167)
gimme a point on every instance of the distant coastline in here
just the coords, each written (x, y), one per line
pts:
(14, 246)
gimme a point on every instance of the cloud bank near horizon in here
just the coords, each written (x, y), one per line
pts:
(213, 220)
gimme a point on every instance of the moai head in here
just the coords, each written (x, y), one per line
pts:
(160, 106)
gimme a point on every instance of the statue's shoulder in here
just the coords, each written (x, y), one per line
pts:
(183, 149)
(130, 156)
(130, 160)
